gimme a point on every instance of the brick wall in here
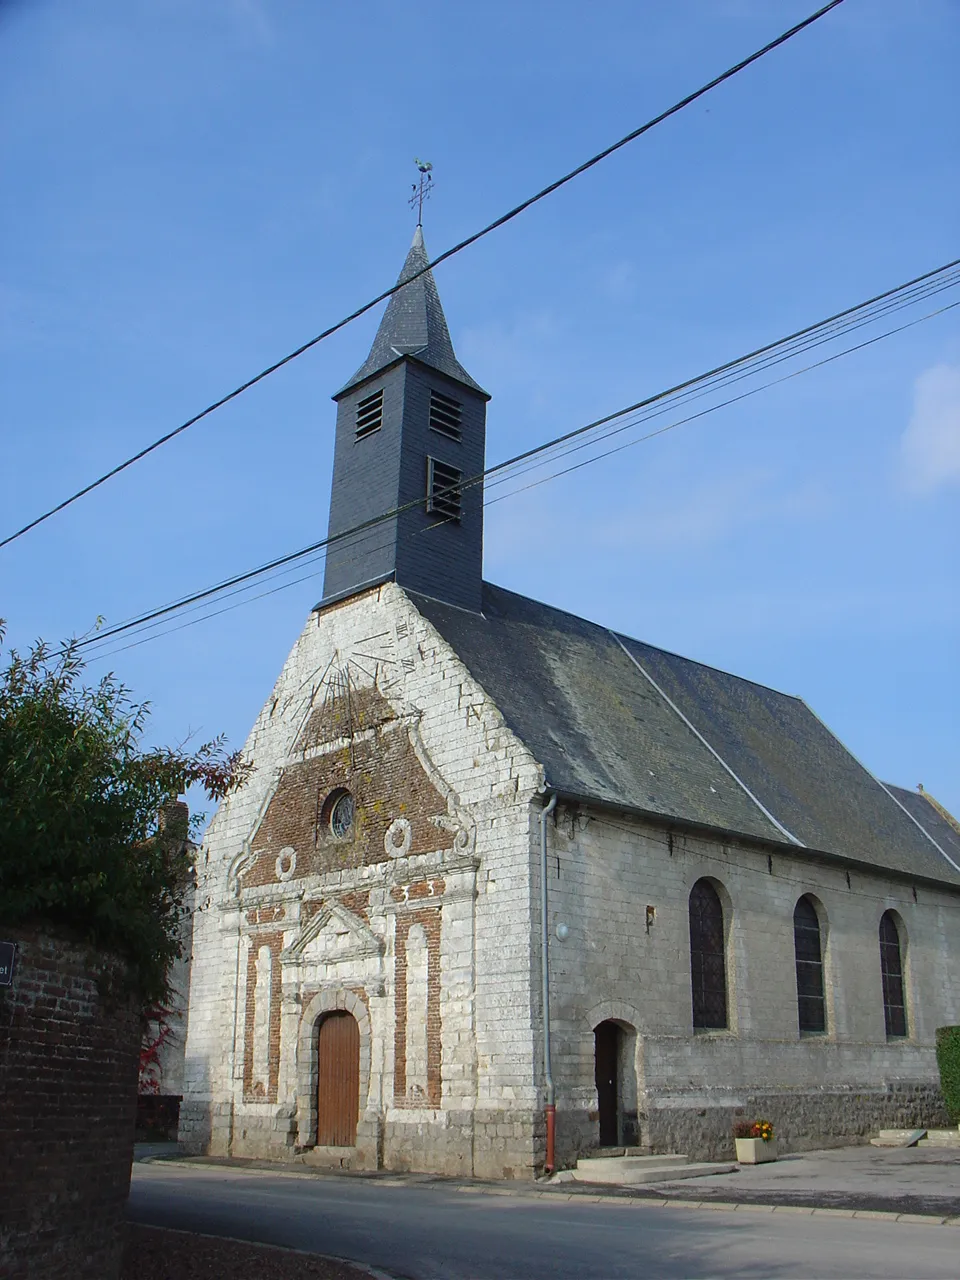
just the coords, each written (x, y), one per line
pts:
(68, 1094)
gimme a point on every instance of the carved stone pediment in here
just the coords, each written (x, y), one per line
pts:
(332, 935)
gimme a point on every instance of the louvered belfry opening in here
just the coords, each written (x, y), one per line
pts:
(338, 1082)
(445, 416)
(708, 973)
(369, 415)
(410, 399)
(443, 498)
(811, 1006)
(891, 973)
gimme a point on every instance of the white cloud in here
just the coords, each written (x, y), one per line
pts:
(930, 446)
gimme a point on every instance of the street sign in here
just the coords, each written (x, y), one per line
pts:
(8, 955)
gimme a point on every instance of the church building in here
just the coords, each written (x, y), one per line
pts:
(469, 810)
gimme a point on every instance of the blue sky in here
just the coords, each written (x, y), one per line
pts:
(194, 189)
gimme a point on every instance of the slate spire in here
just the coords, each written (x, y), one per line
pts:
(413, 325)
(411, 424)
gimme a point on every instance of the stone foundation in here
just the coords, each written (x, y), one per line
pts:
(803, 1119)
(701, 1126)
(483, 1144)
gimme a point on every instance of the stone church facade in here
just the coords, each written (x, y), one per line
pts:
(740, 919)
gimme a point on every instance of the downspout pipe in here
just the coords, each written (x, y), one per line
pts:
(550, 1108)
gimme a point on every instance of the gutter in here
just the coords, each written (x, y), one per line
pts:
(550, 1108)
(769, 844)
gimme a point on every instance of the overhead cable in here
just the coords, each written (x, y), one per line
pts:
(448, 253)
(652, 406)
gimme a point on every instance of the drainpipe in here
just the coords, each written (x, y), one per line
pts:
(550, 1108)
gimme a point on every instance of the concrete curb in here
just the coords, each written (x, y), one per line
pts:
(566, 1197)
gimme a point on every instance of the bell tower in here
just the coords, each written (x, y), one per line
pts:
(411, 425)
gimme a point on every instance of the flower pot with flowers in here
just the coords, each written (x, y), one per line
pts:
(755, 1142)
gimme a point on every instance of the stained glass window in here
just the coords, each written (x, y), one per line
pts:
(811, 1006)
(891, 971)
(708, 972)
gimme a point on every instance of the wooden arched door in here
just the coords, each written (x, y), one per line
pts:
(338, 1081)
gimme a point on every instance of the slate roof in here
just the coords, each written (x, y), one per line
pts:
(925, 812)
(413, 325)
(576, 694)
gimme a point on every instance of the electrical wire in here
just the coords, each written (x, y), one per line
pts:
(242, 584)
(727, 379)
(934, 281)
(448, 253)
(733, 400)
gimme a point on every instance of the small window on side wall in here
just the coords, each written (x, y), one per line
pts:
(708, 973)
(811, 1005)
(891, 973)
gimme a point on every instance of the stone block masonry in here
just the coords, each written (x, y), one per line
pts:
(416, 922)
(422, 923)
(622, 885)
(68, 1094)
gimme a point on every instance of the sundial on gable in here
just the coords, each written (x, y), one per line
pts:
(338, 698)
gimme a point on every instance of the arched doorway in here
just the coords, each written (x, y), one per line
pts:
(338, 1080)
(607, 1037)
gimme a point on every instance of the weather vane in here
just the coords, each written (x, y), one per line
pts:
(421, 189)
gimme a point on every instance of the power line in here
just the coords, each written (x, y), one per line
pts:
(448, 253)
(927, 285)
(733, 400)
(788, 351)
(367, 526)
(147, 624)
(764, 357)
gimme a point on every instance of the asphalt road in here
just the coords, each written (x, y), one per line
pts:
(433, 1232)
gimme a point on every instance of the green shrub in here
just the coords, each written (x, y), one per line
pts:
(83, 845)
(948, 1060)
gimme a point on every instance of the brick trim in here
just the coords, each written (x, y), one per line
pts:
(275, 942)
(429, 919)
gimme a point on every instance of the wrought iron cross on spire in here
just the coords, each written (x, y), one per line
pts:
(421, 189)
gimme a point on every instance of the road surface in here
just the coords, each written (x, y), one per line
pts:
(435, 1232)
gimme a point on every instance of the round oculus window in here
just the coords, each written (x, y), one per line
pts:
(342, 814)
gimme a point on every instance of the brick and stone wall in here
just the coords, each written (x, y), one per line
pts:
(419, 922)
(68, 1091)
(424, 925)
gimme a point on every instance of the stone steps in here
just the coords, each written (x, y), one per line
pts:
(631, 1171)
(898, 1138)
(941, 1138)
(607, 1153)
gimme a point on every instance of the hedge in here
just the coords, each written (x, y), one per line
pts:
(948, 1060)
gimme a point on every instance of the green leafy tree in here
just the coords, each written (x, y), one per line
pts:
(84, 846)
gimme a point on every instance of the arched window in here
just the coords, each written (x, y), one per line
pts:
(891, 972)
(708, 972)
(806, 941)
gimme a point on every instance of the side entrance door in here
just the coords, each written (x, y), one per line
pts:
(606, 1064)
(338, 1098)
